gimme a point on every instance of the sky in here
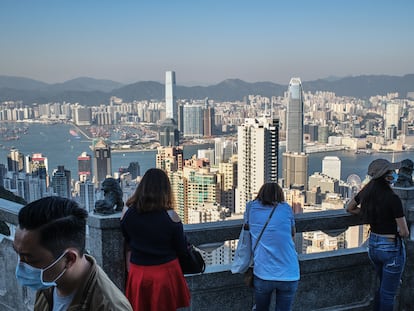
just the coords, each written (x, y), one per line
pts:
(205, 42)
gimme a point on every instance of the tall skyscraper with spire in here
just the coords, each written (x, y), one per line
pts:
(169, 134)
(295, 161)
(258, 149)
(294, 133)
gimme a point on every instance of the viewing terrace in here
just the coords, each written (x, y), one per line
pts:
(335, 280)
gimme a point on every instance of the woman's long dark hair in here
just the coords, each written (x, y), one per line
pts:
(153, 192)
(270, 194)
(372, 196)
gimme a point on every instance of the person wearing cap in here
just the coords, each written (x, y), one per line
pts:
(382, 209)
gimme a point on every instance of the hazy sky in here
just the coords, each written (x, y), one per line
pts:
(205, 42)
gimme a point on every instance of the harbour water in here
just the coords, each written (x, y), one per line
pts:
(61, 148)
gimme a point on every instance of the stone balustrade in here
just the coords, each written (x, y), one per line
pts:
(335, 280)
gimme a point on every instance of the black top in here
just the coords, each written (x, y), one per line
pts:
(154, 238)
(392, 207)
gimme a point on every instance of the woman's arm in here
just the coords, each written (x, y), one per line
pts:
(402, 227)
(352, 207)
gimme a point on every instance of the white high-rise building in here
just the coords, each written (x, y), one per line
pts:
(258, 148)
(392, 115)
(171, 109)
(87, 195)
(331, 166)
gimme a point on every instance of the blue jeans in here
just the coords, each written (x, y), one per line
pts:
(285, 294)
(388, 257)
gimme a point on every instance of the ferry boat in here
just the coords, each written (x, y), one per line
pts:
(74, 134)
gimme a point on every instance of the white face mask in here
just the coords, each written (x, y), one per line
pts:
(33, 277)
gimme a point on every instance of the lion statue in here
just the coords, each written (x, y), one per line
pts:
(112, 201)
(405, 172)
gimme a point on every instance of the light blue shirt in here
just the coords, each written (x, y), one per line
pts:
(61, 303)
(275, 258)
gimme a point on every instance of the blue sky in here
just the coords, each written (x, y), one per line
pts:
(205, 42)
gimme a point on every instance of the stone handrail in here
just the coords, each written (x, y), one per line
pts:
(336, 280)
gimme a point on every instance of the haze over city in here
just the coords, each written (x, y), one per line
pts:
(205, 42)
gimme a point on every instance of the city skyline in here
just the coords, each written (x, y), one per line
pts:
(205, 42)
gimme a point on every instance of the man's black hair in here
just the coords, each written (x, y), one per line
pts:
(60, 222)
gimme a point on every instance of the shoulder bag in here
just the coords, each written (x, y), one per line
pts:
(192, 261)
(243, 256)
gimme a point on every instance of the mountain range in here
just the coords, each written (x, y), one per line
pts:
(89, 91)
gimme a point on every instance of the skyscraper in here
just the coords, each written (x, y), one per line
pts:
(295, 170)
(85, 167)
(294, 131)
(170, 159)
(61, 182)
(169, 134)
(102, 165)
(193, 119)
(392, 114)
(15, 161)
(295, 161)
(87, 195)
(37, 166)
(170, 99)
(209, 124)
(258, 148)
(228, 182)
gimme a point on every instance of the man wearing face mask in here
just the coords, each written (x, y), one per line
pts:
(382, 209)
(50, 244)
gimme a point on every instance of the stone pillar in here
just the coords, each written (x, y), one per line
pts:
(407, 197)
(106, 244)
(406, 298)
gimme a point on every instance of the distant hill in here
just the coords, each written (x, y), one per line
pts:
(88, 91)
(364, 86)
(19, 83)
(86, 84)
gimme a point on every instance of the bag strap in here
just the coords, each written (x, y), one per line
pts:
(264, 227)
(247, 214)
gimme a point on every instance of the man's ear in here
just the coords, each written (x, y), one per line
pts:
(71, 257)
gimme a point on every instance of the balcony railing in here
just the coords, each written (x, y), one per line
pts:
(335, 280)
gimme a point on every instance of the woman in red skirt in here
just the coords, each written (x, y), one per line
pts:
(154, 234)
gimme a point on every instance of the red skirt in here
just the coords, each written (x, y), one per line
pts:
(157, 288)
